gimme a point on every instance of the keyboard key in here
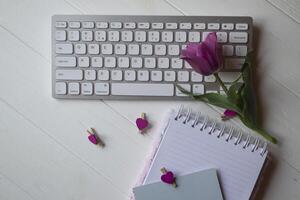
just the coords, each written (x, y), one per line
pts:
(169, 76)
(136, 62)
(180, 36)
(157, 25)
(153, 36)
(238, 37)
(183, 76)
(130, 25)
(222, 37)
(185, 26)
(65, 61)
(87, 88)
(60, 88)
(187, 65)
(160, 49)
(120, 49)
(229, 76)
(211, 91)
(61, 24)
(147, 49)
(101, 88)
(167, 36)
(210, 78)
(110, 62)
(204, 35)
(129, 75)
(176, 63)
(227, 50)
(227, 26)
(149, 62)
(241, 50)
(133, 49)
(156, 76)
(93, 49)
(87, 36)
(80, 49)
(64, 48)
(73, 88)
(106, 49)
(116, 75)
(83, 61)
(127, 36)
(101, 25)
(213, 26)
(171, 25)
(173, 50)
(184, 86)
(241, 26)
(140, 36)
(196, 77)
(194, 37)
(198, 89)
(60, 35)
(143, 25)
(143, 75)
(100, 36)
(74, 24)
(75, 75)
(142, 89)
(234, 63)
(88, 25)
(90, 75)
(199, 26)
(163, 63)
(97, 62)
(123, 62)
(73, 35)
(103, 75)
(115, 25)
(113, 36)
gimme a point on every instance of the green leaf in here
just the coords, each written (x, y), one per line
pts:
(233, 94)
(213, 99)
(247, 94)
(262, 132)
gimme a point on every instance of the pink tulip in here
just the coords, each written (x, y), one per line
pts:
(205, 57)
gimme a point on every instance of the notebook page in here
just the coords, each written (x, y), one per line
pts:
(185, 149)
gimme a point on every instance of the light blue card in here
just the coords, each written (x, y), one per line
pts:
(202, 185)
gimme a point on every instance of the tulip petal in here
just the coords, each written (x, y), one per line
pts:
(230, 113)
(211, 41)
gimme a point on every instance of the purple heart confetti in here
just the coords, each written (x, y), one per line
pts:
(141, 123)
(168, 178)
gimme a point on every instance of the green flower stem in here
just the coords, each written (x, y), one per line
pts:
(221, 83)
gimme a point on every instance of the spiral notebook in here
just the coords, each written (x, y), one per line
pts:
(191, 142)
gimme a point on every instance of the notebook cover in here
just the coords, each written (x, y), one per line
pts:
(195, 186)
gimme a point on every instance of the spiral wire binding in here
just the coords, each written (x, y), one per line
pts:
(221, 131)
(195, 123)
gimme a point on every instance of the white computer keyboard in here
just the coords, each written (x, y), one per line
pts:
(137, 57)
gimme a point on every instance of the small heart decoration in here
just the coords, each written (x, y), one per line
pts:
(141, 123)
(168, 178)
(93, 139)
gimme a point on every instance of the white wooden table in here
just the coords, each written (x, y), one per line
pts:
(44, 152)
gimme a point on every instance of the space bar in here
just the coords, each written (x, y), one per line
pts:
(142, 89)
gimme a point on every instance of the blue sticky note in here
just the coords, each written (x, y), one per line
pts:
(202, 185)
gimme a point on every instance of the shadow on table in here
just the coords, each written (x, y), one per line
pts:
(264, 179)
(271, 163)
